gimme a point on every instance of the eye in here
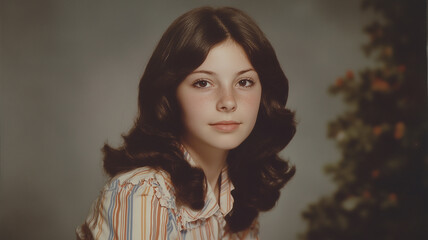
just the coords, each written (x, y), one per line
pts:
(246, 83)
(201, 84)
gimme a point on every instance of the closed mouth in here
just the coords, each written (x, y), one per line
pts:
(225, 126)
(225, 123)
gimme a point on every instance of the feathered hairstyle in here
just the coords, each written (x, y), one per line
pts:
(254, 167)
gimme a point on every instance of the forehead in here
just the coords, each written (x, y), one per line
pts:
(227, 55)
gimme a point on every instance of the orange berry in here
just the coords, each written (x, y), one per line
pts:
(339, 82)
(400, 129)
(367, 195)
(388, 51)
(349, 74)
(392, 197)
(377, 130)
(401, 68)
(381, 85)
(375, 173)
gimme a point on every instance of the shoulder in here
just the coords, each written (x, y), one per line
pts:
(140, 197)
(144, 181)
(139, 176)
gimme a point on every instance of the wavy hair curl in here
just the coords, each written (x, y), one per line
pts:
(255, 168)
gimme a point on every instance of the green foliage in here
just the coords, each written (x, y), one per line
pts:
(382, 186)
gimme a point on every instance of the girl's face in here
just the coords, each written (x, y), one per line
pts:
(220, 99)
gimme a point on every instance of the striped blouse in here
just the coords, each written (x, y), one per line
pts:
(140, 204)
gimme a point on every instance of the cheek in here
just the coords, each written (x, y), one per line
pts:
(252, 103)
(193, 106)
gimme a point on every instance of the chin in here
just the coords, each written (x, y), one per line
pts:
(227, 144)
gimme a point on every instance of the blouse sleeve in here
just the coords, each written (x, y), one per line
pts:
(130, 211)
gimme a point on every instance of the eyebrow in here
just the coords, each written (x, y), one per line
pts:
(213, 73)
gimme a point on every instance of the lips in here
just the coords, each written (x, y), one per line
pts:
(225, 126)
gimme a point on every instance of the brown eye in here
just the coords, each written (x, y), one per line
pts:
(201, 84)
(246, 83)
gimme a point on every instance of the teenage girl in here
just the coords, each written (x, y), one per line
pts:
(202, 159)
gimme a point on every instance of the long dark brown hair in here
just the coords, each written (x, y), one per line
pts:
(255, 169)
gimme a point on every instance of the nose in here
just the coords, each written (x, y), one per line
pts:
(226, 101)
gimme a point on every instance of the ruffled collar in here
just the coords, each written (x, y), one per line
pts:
(193, 218)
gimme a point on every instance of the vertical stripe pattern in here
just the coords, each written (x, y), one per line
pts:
(140, 204)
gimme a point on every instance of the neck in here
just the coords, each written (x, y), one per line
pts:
(211, 160)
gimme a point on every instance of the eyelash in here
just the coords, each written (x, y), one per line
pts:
(197, 83)
(247, 80)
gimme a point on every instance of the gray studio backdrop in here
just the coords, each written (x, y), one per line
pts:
(69, 76)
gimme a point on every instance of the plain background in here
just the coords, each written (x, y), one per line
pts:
(69, 77)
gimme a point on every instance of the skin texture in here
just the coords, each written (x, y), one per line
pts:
(219, 102)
